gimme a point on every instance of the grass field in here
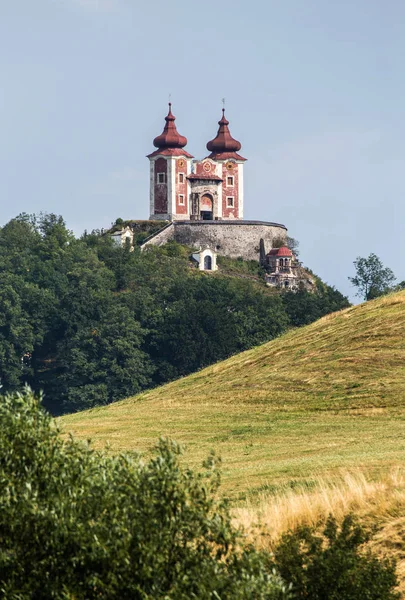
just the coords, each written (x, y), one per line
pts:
(313, 403)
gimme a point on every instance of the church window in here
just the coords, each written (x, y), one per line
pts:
(161, 177)
(181, 177)
(181, 199)
(230, 181)
(229, 201)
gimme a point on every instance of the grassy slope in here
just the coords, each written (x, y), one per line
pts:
(316, 400)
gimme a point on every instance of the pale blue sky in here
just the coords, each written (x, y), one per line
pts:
(314, 91)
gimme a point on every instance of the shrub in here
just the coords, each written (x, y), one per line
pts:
(80, 524)
(333, 566)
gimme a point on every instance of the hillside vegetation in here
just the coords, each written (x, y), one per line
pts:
(90, 322)
(318, 400)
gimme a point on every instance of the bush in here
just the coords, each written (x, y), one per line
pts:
(332, 566)
(80, 524)
(77, 524)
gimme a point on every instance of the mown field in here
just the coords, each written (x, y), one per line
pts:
(317, 401)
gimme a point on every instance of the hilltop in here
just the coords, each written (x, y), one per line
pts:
(311, 402)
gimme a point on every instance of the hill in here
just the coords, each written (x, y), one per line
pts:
(307, 404)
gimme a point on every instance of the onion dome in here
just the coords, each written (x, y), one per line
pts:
(223, 142)
(170, 137)
(283, 251)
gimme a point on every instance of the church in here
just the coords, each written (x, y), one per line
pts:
(182, 188)
(202, 200)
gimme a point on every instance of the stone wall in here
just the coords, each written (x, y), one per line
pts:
(229, 238)
(161, 237)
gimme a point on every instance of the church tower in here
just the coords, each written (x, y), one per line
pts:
(224, 153)
(170, 165)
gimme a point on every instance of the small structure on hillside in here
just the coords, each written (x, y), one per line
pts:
(282, 268)
(123, 236)
(206, 259)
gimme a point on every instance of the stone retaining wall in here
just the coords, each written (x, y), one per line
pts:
(229, 238)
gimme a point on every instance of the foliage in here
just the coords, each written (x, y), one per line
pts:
(372, 279)
(79, 524)
(90, 322)
(304, 307)
(332, 566)
(239, 267)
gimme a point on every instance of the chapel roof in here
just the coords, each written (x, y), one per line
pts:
(283, 251)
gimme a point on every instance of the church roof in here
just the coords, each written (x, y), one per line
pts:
(170, 152)
(224, 143)
(283, 251)
(204, 176)
(170, 137)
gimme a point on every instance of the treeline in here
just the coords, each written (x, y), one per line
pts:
(89, 322)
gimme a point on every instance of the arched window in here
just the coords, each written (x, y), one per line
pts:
(207, 263)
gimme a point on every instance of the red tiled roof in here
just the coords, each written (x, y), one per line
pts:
(226, 156)
(170, 152)
(283, 251)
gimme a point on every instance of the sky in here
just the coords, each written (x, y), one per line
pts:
(314, 91)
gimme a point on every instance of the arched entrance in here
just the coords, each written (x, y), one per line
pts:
(207, 263)
(206, 204)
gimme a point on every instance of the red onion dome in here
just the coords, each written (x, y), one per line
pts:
(283, 251)
(170, 137)
(223, 142)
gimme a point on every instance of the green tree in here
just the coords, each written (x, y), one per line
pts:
(372, 279)
(86, 525)
(89, 322)
(304, 307)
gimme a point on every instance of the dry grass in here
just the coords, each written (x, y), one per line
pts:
(380, 505)
(353, 492)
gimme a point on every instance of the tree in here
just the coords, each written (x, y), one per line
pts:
(304, 307)
(90, 322)
(372, 279)
(85, 525)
